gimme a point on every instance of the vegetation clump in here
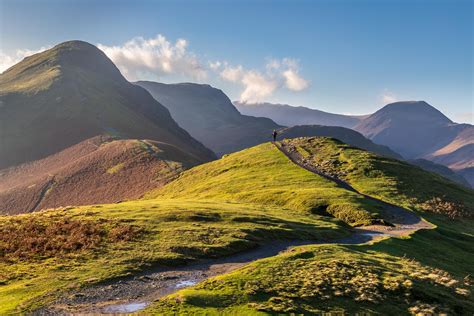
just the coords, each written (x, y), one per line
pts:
(453, 210)
(33, 238)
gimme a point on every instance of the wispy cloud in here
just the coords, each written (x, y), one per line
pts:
(465, 117)
(259, 84)
(388, 97)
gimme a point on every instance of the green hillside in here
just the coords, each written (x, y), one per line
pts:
(171, 229)
(264, 175)
(247, 199)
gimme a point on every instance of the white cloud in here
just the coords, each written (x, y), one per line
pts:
(6, 61)
(157, 56)
(232, 74)
(215, 65)
(259, 85)
(294, 81)
(388, 97)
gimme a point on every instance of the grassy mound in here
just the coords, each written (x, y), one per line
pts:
(390, 180)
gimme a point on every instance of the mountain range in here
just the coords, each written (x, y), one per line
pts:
(119, 192)
(417, 130)
(288, 115)
(209, 115)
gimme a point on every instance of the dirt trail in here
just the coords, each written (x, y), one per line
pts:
(49, 184)
(134, 293)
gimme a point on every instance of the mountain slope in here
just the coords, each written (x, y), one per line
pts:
(459, 153)
(209, 115)
(414, 129)
(97, 170)
(288, 115)
(391, 180)
(72, 92)
(441, 170)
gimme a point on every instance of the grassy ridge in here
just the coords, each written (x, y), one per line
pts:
(387, 179)
(428, 272)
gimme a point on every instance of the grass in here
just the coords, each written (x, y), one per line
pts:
(393, 277)
(426, 273)
(263, 175)
(172, 232)
(116, 168)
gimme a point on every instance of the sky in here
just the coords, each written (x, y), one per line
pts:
(341, 56)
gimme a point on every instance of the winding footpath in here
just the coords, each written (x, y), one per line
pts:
(134, 293)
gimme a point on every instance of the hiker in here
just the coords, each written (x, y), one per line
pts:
(274, 134)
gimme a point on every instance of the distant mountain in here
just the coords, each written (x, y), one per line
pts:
(209, 115)
(412, 128)
(97, 170)
(416, 129)
(459, 153)
(288, 115)
(72, 92)
(343, 134)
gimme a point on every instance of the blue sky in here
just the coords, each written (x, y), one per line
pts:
(338, 56)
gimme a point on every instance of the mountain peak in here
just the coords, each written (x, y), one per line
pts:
(37, 72)
(413, 110)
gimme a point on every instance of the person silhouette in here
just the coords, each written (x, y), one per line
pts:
(274, 134)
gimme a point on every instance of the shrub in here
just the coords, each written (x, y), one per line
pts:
(23, 238)
(451, 209)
